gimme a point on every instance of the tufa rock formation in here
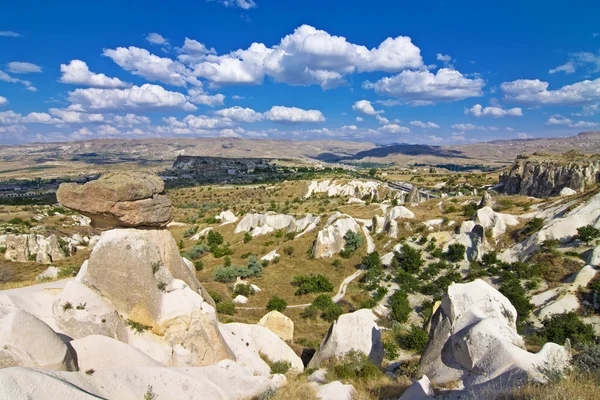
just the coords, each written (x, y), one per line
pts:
(32, 247)
(414, 196)
(538, 178)
(119, 199)
(486, 200)
(279, 324)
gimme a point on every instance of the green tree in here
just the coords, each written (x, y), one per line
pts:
(455, 253)
(587, 234)
(372, 172)
(400, 307)
(276, 303)
(409, 259)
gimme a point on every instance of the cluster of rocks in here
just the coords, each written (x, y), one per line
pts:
(135, 303)
(36, 247)
(548, 178)
(261, 224)
(330, 240)
(388, 223)
(354, 189)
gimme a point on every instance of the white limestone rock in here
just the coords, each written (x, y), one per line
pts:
(22, 248)
(101, 352)
(226, 217)
(474, 341)
(271, 256)
(495, 221)
(330, 240)
(239, 299)
(420, 390)
(49, 273)
(567, 191)
(354, 331)
(279, 324)
(335, 390)
(28, 342)
(247, 343)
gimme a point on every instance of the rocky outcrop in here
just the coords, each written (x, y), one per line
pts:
(330, 240)
(26, 341)
(420, 390)
(486, 200)
(261, 224)
(98, 352)
(547, 178)
(389, 222)
(495, 221)
(357, 189)
(474, 342)
(414, 196)
(356, 331)
(279, 324)
(120, 199)
(32, 247)
(226, 217)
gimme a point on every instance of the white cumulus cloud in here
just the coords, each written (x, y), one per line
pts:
(424, 125)
(7, 78)
(582, 60)
(3, 101)
(479, 111)
(394, 129)
(240, 114)
(293, 115)
(156, 38)
(78, 73)
(365, 107)
(423, 87)
(535, 92)
(199, 96)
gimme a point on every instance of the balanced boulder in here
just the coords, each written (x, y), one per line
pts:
(119, 199)
(279, 324)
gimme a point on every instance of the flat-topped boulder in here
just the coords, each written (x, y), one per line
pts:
(120, 199)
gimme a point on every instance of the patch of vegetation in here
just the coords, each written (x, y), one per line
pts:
(587, 234)
(137, 326)
(353, 365)
(243, 289)
(276, 303)
(560, 327)
(415, 339)
(409, 260)
(400, 306)
(232, 272)
(354, 241)
(312, 284)
(225, 307)
(455, 253)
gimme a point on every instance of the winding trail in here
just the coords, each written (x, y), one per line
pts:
(337, 297)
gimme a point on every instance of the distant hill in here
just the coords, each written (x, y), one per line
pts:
(158, 153)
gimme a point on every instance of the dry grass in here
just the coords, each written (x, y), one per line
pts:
(575, 387)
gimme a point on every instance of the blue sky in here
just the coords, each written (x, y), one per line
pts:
(435, 72)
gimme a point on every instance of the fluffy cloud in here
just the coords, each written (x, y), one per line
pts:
(307, 57)
(17, 67)
(155, 38)
(478, 111)
(522, 135)
(293, 115)
(3, 101)
(365, 107)
(10, 34)
(423, 87)
(445, 59)
(394, 129)
(582, 60)
(205, 122)
(75, 115)
(193, 51)
(382, 120)
(7, 78)
(143, 97)
(560, 120)
(359, 119)
(198, 96)
(243, 4)
(129, 120)
(39, 118)
(424, 125)
(585, 124)
(78, 73)
(240, 114)
(588, 110)
(535, 92)
(152, 67)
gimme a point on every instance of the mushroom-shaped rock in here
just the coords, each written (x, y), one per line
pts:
(354, 331)
(119, 199)
(28, 342)
(279, 324)
(249, 342)
(474, 341)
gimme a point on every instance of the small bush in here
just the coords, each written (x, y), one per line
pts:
(455, 253)
(588, 358)
(409, 259)
(390, 349)
(400, 307)
(354, 365)
(243, 289)
(587, 234)
(561, 327)
(247, 237)
(288, 251)
(280, 367)
(312, 284)
(226, 308)
(415, 339)
(277, 304)
(196, 251)
(136, 326)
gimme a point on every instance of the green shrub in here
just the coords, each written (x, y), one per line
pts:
(354, 365)
(400, 307)
(353, 241)
(220, 251)
(510, 287)
(243, 289)
(588, 358)
(587, 234)
(560, 327)
(196, 251)
(415, 339)
(280, 367)
(312, 284)
(455, 252)
(247, 237)
(469, 209)
(214, 239)
(226, 308)
(136, 326)
(276, 303)
(390, 349)
(309, 312)
(190, 232)
(215, 296)
(409, 259)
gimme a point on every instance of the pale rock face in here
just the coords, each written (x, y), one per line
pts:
(335, 390)
(594, 256)
(20, 248)
(566, 192)
(201, 233)
(88, 314)
(49, 273)
(474, 341)
(28, 342)
(354, 189)
(239, 299)
(562, 228)
(248, 341)
(120, 199)
(497, 222)
(225, 380)
(388, 223)
(354, 331)
(414, 196)
(354, 200)
(543, 179)
(420, 390)
(226, 217)
(387, 258)
(279, 324)
(271, 256)
(330, 240)
(101, 352)
(486, 200)
(370, 243)
(565, 297)
(262, 224)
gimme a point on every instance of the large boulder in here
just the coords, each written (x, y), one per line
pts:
(80, 311)
(356, 331)
(250, 343)
(420, 390)
(120, 199)
(496, 222)
(330, 240)
(474, 342)
(98, 352)
(279, 324)
(28, 342)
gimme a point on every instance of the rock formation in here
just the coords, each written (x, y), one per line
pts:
(414, 196)
(262, 224)
(538, 178)
(486, 200)
(354, 188)
(279, 324)
(496, 222)
(474, 342)
(35, 247)
(389, 222)
(120, 199)
(355, 331)
(330, 240)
